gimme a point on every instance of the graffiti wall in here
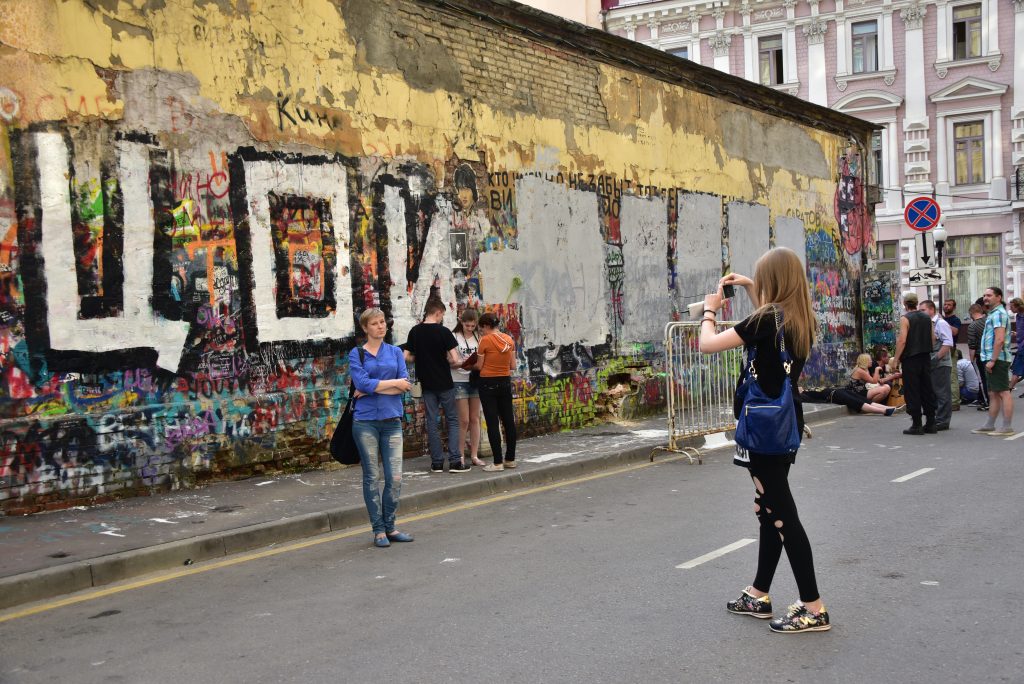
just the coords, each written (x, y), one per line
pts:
(191, 225)
(881, 309)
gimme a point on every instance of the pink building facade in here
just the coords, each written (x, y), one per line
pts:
(945, 79)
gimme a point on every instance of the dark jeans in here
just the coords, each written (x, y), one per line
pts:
(496, 402)
(917, 388)
(432, 400)
(780, 528)
(983, 390)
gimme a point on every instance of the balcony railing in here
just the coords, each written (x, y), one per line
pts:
(1018, 183)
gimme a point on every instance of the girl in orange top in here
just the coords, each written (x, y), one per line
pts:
(497, 360)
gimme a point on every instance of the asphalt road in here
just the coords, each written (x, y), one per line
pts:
(579, 583)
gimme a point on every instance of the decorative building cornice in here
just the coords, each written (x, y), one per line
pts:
(694, 15)
(789, 4)
(913, 15)
(745, 10)
(718, 13)
(815, 31)
(720, 43)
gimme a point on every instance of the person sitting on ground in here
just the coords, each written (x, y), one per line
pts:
(970, 384)
(880, 360)
(855, 402)
(871, 385)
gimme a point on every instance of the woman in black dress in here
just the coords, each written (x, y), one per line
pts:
(779, 291)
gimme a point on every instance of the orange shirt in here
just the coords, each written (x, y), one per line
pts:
(498, 350)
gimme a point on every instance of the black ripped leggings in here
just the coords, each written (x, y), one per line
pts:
(780, 528)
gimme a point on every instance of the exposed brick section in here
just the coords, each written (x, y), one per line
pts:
(508, 70)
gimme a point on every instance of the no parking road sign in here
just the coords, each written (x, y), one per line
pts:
(922, 213)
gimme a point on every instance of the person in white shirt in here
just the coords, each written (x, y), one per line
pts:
(942, 361)
(970, 383)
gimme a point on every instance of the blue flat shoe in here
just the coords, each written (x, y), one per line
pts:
(400, 537)
(381, 542)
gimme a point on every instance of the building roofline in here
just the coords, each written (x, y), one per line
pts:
(624, 53)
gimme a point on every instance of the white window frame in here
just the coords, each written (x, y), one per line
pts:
(691, 44)
(782, 53)
(950, 120)
(990, 54)
(878, 47)
(844, 49)
(752, 55)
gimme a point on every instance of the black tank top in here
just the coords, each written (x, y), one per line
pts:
(919, 334)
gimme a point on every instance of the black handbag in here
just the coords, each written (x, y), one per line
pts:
(343, 441)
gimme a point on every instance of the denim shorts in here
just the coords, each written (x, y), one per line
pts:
(463, 390)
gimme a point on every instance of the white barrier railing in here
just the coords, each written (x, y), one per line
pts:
(699, 387)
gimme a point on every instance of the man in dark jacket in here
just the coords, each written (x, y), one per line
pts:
(913, 353)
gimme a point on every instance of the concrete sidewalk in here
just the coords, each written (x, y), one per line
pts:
(49, 554)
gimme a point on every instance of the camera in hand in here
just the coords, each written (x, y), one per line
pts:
(697, 308)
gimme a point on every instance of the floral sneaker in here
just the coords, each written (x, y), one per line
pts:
(748, 604)
(799, 619)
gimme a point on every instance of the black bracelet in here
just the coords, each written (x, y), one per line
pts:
(710, 311)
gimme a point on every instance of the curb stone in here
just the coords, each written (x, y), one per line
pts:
(48, 583)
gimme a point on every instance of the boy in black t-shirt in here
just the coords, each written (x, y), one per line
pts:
(434, 350)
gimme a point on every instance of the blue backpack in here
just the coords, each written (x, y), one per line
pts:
(767, 425)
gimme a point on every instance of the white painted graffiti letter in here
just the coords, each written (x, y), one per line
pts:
(138, 325)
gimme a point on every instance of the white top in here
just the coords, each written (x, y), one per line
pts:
(466, 347)
(967, 375)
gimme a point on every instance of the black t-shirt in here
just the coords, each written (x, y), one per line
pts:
(430, 343)
(759, 332)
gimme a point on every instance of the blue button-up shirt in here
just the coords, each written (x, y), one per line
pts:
(997, 318)
(388, 364)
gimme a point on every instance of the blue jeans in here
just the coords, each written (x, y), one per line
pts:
(380, 439)
(433, 399)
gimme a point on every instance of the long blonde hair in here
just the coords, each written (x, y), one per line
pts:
(780, 281)
(863, 361)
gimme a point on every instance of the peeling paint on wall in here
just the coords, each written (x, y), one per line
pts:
(190, 225)
(748, 240)
(647, 305)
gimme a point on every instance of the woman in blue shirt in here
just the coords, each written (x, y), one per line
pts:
(380, 378)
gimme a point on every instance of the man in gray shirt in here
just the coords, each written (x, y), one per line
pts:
(941, 366)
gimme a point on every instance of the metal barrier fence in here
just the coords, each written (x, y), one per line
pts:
(699, 387)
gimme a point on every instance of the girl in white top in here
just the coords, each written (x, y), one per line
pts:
(467, 397)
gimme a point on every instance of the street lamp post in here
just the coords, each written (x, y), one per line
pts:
(940, 242)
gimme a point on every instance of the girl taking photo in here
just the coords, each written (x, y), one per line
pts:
(779, 292)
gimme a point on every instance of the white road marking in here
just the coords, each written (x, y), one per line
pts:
(650, 434)
(112, 534)
(688, 565)
(551, 457)
(261, 484)
(930, 583)
(717, 440)
(164, 521)
(827, 422)
(914, 474)
(1016, 436)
